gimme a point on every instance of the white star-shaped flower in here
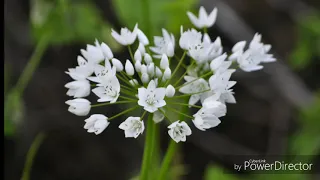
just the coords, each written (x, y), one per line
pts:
(96, 123)
(196, 86)
(189, 39)
(126, 37)
(179, 131)
(220, 84)
(208, 116)
(151, 98)
(204, 20)
(132, 126)
(163, 45)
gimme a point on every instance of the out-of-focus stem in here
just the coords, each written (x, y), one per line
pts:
(31, 155)
(148, 148)
(32, 65)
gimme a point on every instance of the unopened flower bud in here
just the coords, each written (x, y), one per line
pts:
(129, 68)
(170, 91)
(117, 64)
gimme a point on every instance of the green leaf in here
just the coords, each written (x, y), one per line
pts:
(169, 14)
(214, 172)
(69, 21)
(13, 113)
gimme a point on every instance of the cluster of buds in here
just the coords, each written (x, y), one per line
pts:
(148, 81)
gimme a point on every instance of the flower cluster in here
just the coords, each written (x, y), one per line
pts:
(149, 80)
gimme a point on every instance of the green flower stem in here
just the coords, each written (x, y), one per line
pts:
(184, 104)
(143, 114)
(203, 76)
(187, 95)
(170, 152)
(148, 148)
(127, 98)
(32, 65)
(205, 30)
(182, 76)
(124, 80)
(177, 68)
(118, 102)
(128, 93)
(183, 114)
(131, 54)
(167, 160)
(31, 155)
(123, 112)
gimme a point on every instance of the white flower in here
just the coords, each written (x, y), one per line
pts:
(93, 53)
(196, 86)
(106, 51)
(178, 131)
(103, 73)
(158, 116)
(79, 73)
(132, 126)
(96, 123)
(79, 106)
(78, 89)
(129, 68)
(151, 98)
(126, 37)
(251, 59)
(208, 116)
(117, 64)
(220, 84)
(109, 91)
(219, 63)
(142, 37)
(163, 45)
(170, 91)
(216, 48)
(200, 52)
(88, 65)
(189, 39)
(204, 20)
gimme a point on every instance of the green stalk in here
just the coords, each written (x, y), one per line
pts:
(123, 112)
(177, 68)
(31, 155)
(167, 160)
(148, 148)
(146, 17)
(118, 102)
(32, 65)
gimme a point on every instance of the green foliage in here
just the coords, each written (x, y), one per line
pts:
(169, 14)
(13, 112)
(214, 172)
(308, 43)
(307, 141)
(69, 21)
